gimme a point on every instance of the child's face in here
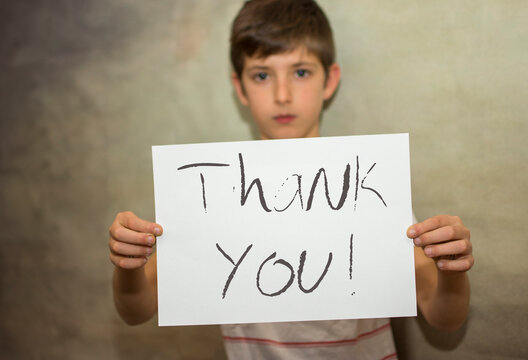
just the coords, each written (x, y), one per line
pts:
(285, 93)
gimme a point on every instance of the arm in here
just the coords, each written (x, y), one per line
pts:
(442, 257)
(134, 282)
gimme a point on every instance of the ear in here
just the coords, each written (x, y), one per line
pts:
(332, 80)
(239, 89)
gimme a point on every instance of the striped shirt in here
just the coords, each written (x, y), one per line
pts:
(334, 339)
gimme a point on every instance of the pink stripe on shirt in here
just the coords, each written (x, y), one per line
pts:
(310, 343)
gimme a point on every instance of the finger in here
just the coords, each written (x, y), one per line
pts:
(123, 234)
(446, 233)
(127, 262)
(463, 263)
(457, 247)
(129, 220)
(124, 249)
(432, 223)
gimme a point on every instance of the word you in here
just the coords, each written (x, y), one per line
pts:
(266, 263)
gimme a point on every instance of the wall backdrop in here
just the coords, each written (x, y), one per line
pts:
(87, 87)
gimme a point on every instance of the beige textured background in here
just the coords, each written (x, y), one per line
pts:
(87, 87)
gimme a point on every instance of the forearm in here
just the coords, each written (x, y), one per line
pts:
(448, 306)
(135, 296)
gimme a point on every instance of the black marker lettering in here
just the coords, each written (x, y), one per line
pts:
(200, 164)
(280, 261)
(344, 193)
(201, 176)
(232, 274)
(243, 194)
(357, 181)
(371, 189)
(294, 195)
(301, 268)
(351, 253)
(203, 192)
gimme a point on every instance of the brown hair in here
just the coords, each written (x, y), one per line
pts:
(267, 27)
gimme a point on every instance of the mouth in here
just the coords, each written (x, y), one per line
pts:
(284, 118)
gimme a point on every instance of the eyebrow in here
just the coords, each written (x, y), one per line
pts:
(304, 63)
(297, 64)
(258, 67)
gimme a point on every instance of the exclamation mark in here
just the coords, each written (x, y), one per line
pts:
(351, 258)
(351, 255)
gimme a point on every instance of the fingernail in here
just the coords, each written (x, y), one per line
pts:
(149, 250)
(411, 232)
(428, 251)
(418, 241)
(150, 240)
(441, 264)
(157, 231)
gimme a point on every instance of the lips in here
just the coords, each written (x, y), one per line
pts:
(284, 118)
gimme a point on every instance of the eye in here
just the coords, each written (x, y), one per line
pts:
(261, 76)
(301, 73)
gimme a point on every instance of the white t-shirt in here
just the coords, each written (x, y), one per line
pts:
(333, 339)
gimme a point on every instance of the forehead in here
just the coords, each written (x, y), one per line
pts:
(295, 57)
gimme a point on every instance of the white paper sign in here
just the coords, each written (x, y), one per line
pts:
(284, 230)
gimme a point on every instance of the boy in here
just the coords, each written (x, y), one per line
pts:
(284, 70)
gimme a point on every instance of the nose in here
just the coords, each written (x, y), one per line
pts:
(283, 91)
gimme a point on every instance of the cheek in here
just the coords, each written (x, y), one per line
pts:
(258, 110)
(256, 103)
(312, 98)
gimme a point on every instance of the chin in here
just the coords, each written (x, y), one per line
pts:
(287, 134)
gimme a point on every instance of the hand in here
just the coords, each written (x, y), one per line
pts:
(131, 240)
(446, 240)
